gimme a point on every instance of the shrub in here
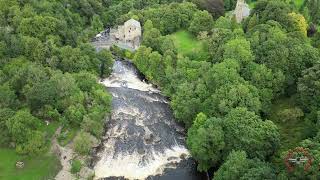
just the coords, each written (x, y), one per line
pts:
(83, 143)
(76, 166)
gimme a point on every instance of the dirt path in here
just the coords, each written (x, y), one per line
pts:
(65, 154)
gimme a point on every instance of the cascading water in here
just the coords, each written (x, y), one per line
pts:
(142, 139)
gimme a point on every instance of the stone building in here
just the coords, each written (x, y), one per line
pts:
(129, 34)
(242, 11)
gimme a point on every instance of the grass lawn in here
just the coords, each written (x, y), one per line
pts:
(188, 45)
(36, 168)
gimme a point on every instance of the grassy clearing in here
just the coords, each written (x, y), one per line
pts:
(36, 168)
(188, 45)
(292, 131)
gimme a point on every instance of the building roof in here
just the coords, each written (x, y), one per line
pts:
(132, 22)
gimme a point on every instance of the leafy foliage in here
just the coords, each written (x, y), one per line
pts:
(48, 70)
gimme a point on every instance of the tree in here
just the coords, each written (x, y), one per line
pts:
(238, 166)
(22, 125)
(309, 89)
(151, 36)
(269, 83)
(66, 89)
(141, 58)
(215, 7)
(244, 130)
(39, 26)
(224, 73)
(234, 167)
(7, 96)
(167, 45)
(185, 103)
(301, 56)
(202, 21)
(272, 10)
(85, 81)
(96, 24)
(40, 94)
(299, 23)
(106, 62)
(5, 114)
(206, 141)
(216, 42)
(34, 49)
(74, 114)
(82, 143)
(156, 67)
(235, 95)
(223, 23)
(238, 49)
(72, 60)
(93, 127)
(35, 145)
(314, 10)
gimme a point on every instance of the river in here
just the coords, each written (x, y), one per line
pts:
(142, 139)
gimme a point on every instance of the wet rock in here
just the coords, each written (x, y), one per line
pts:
(86, 173)
(149, 138)
(157, 139)
(172, 158)
(96, 142)
(141, 151)
(183, 156)
(130, 131)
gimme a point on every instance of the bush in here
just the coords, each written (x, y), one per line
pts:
(76, 166)
(292, 114)
(83, 143)
(95, 128)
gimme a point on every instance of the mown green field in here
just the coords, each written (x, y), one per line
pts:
(40, 167)
(188, 45)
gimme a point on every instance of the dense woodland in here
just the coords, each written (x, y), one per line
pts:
(238, 96)
(49, 72)
(227, 95)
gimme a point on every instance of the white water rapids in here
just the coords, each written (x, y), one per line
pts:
(142, 139)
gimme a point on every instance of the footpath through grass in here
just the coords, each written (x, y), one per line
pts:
(188, 45)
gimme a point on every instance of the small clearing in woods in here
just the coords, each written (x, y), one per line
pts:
(35, 167)
(293, 130)
(188, 45)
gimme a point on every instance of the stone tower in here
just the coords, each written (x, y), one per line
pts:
(242, 10)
